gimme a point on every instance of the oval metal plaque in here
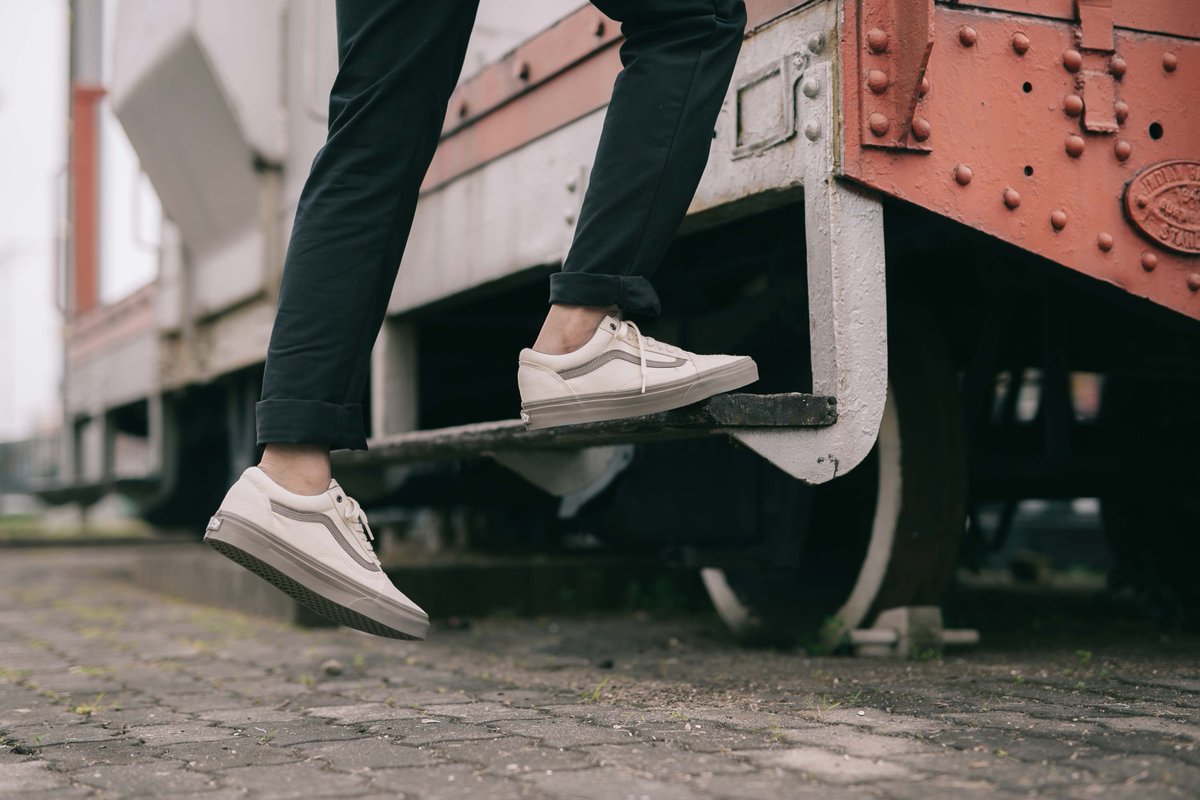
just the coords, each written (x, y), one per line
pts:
(1163, 203)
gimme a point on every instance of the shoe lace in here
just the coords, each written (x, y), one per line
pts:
(643, 342)
(352, 512)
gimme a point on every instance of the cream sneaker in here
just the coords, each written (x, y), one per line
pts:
(316, 549)
(621, 373)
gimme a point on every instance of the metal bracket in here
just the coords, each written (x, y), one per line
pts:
(908, 632)
(895, 38)
(1098, 86)
(786, 73)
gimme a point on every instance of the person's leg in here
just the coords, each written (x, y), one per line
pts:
(398, 62)
(587, 365)
(678, 58)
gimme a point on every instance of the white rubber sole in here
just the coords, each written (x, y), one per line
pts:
(620, 405)
(311, 583)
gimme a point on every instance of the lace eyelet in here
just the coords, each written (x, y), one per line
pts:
(338, 498)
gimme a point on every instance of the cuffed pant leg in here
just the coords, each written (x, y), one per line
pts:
(398, 62)
(678, 58)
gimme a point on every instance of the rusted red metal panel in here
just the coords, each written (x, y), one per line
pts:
(1034, 139)
(1170, 17)
(84, 171)
(558, 76)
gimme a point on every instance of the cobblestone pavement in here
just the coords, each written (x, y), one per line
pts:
(107, 690)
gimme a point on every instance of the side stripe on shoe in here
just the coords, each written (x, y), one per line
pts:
(614, 355)
(334, 531)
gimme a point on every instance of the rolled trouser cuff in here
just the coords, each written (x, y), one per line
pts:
(310, 422)
(632, 294)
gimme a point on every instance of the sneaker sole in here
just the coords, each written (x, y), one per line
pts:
(621, 405)
(309, 583)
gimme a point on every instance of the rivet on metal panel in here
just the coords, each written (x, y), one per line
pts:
(963, 174)
(1012, 198)
(1105, 242)
(600, 28)
(878, 81)
(1170, 62)
(812, 130)
(463, 110)
(1073, 105)
(816, 43)
(810, 87)
(877, 41)
(879, 124)
(1058, 219)
(1122, 150)
(521, 71)
(1194, 281)
(1149, 261)
(967, 36)
(925, 87)
(921, 129)
(1072, 60)
(1074, 146)
(1117, 66)
(1020, 43)
(1121, 110)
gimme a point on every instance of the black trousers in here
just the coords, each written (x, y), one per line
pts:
(398, 62)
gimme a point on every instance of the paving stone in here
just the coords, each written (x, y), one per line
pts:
(483, 712)
(563, 731)
(160, 778)
(122, 750)
(363, 712)
(249, 717)
(293, 780)
(606, 783)
(421, 732)
(854, 741)
(374, 753)
(282, 734)
(176, 732)
(27, 776)
(454, 782)
(662, 760)
(46, 735)
(242, 751)
(512, 755)
(198, 702)
(826, 765)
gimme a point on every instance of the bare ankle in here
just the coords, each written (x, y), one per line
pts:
(568, 328)
(299, 468)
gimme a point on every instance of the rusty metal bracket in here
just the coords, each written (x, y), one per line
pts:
(1098, 87)
(895, 38)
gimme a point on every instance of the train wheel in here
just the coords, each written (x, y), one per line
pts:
(883, 536)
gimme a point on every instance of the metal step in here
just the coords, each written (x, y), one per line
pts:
(713, 417)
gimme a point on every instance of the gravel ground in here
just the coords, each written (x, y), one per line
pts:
(108, 690)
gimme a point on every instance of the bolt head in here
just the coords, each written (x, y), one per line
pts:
(1020, 43)
(1105, 242)
(1058, 219)
(1012, 198)
(810, 87)
(877, 41)
(921, 129)
(1121, 110)
(1193, 281)
(963, 174)
(599, 28)
(1170, 62)
(878, 81)
(463, 110)
(1072, 60)
(816, 43)
(879, 124)
(1142, 201)
(1073, 105)
(967, 36)
(1117, 66)
(925, 87)
(521, 71)
(1149, 261)
(1074, 146)
(1122, 150)
(812, 130)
